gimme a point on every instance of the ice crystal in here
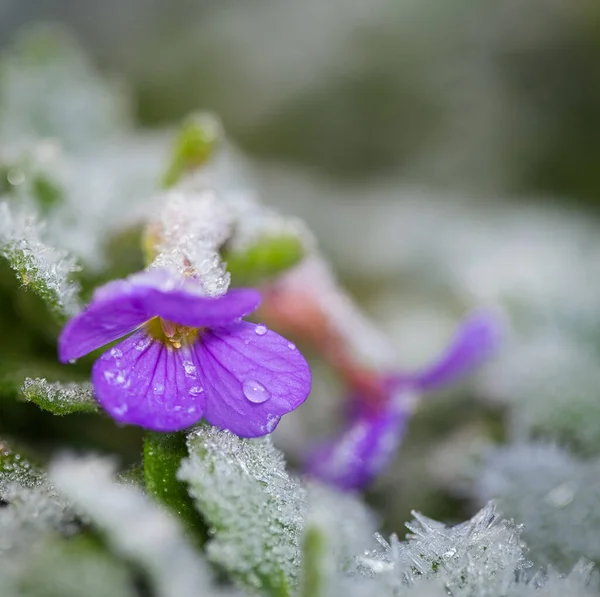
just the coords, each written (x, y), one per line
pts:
(60, 398)
(556, 494)
(254, 509)
(189, 231)
(133, 526)
(44, 269)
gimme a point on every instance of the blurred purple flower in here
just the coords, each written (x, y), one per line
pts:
(373, 432)
(188, 356)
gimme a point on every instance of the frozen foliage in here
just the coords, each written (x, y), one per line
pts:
(483, 557)
(254, 509)
(134, 527)
(73, 568)
(49, 89)
(33, 505)
(60, 398)
(551, 382)
(554, 493)
(188, 233)
(40, 267)
(480, 555)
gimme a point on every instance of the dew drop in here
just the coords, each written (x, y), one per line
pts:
(255, 391)
(189, 368)
(291, 346)
(120, 410)
(158, 388)
(72, 361)
(115, 352)
(260, 330)
(196, 390)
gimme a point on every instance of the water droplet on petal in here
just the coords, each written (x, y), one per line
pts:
(158, 388)
(196, 390)
(189, 368)
(72, 361)
(255, 391)
(115, 352)
(120, 410)
(291, 346)
(261, 330)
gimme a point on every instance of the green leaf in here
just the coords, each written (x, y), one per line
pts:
(313, 581)
(194, 145)
(162, 457)
(60, 398)
(255, 510)
(266, 258)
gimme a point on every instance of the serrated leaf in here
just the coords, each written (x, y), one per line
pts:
(163, 453)
(60, 398)
(254, 508)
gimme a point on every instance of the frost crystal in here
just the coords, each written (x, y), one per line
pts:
(190, 230)
(256, 511)
(556, 495)
(482, 554)
(42, 268)
(60, 398)
(133, 526)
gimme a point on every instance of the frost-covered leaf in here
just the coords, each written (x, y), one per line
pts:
(58, 568)
(48, 88)
(60, 398)
(255, 510)
(134, 527)
(33, 506)
(556, 494)
(44, 269)
(163, 453)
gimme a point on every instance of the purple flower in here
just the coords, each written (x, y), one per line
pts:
(373, 433)
(188, 356)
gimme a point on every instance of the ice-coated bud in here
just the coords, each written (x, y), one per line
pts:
(194, 145)
(267, 257)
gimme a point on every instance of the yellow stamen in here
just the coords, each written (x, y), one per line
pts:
(171, 334)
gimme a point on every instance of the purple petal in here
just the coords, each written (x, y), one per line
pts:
(363, 450)
(121, 306)
(143, 382)
(252, 376)
(114, 312)
(476, 339)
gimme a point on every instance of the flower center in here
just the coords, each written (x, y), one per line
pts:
(171, 334)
